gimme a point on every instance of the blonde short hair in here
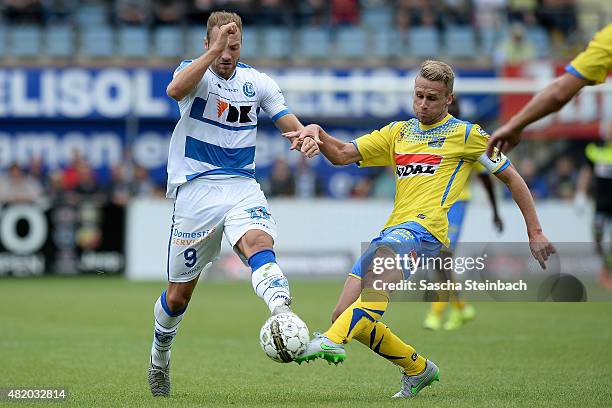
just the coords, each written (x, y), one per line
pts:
(219, 18)
(438, 71)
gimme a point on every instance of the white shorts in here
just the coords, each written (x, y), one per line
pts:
(204, 210)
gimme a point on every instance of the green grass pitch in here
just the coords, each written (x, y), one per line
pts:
(93, 336)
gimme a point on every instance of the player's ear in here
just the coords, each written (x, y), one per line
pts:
(206, 42)
(449, 99)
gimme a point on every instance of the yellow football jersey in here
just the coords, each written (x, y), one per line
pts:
(466, 192)
(594, 63)
(432, 164)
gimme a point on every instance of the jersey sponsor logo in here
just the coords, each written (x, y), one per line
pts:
(235, 114)
(248, 89)
(416, 164)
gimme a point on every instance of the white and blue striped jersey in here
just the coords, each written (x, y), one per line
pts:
(215, 136)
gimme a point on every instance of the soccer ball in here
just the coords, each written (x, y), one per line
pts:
(283, 337)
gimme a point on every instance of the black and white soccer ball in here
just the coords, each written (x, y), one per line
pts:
(283, 337)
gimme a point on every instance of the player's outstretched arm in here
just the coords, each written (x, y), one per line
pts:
(187, 79)
(549, 100)
(541, 248)
(335, 150)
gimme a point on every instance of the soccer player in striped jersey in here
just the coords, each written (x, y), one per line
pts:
(211, 177)
(431, 155)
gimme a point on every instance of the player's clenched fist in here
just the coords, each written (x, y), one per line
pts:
(225, 31)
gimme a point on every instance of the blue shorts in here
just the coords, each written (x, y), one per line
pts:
(455, 221)
(403, 239)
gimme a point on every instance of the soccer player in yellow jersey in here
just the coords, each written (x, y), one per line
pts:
(431, 156)
(590, 67)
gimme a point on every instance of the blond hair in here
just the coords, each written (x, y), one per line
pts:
(219, 18)
(438, 71)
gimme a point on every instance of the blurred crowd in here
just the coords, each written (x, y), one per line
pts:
(553, 177)
(556, 16)
(76, 182)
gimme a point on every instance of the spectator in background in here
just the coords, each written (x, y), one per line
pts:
(384, 184)
(307, 184)
(59, 11)
(363, 188)
(19, 187)
(562, 180)
(70, 174)
(168, 12)
(143, 186)
(536, 183)
(312, 12)
(133, 12)
(522, 11)
(119, 190)
(515, 49)
(345, 12)
(458, 12)
(24, 11)
(88, 187)
(487, 13)
(282, 182)
(272, 13)
(559, 17)
(199, 11)
(419, 12)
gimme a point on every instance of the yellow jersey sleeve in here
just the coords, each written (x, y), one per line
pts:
(476, 151)
(594, 63)
(376, 148)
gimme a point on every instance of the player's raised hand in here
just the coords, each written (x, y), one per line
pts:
(504, 138)
(222, 38)
(541, 248)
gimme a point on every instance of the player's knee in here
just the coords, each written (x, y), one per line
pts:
(177, 299)
(256, 241)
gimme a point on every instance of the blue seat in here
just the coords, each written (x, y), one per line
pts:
(387, 42)
(250, 43)
(314, 42)
(2, 41)
(97, 41)
(90, 15)
(26, 41)
(195, 41)
(276, 42)
(169, 42)
(539, 38)
(351, 42)
(424, 42)
(60, 41)
(489, 40)
(460, 42)
(134, 42)
(377, 17)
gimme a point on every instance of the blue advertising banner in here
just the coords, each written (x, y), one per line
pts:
(115, 93)
(110, 114)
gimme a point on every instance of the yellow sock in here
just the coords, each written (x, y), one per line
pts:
(437, 308)
(457, 303)
(359, 317)
(383, 342)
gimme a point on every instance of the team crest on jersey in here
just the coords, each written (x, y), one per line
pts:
(259, 212)
(248, 89)
(437, 142)
(416, 164)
